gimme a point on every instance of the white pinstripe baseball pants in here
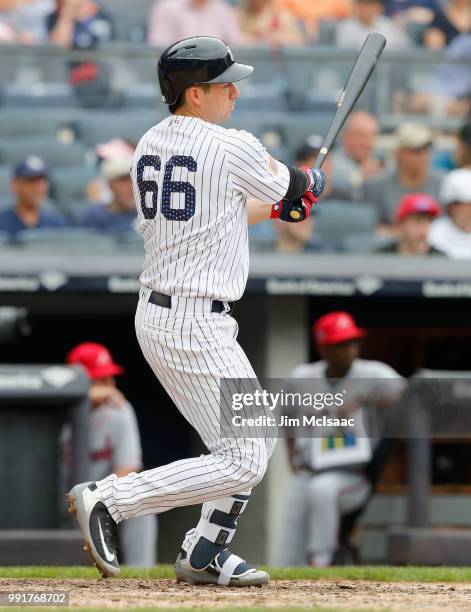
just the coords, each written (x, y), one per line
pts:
(190, 349)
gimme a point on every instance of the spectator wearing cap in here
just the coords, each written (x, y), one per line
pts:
(412, 174)
(119, 216)
(319, 496)
(368, 17)
(114, 444)
(414, 216)
(30, 187)
(451, 234)
(262, 23)
(172, 20)
(354, 161)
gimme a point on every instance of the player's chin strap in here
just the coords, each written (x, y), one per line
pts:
(214, 532)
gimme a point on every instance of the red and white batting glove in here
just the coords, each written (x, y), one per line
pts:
(316, 180)
(294, 211)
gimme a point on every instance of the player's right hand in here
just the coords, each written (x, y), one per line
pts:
(294, 211)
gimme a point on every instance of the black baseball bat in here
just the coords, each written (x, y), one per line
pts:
(357, 79)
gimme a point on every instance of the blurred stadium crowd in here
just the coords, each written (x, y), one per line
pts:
(68, 131)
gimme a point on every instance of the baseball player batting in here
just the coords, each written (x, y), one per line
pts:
(197, 185)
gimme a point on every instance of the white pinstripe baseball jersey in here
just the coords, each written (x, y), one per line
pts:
(192, 180)
(191, 183)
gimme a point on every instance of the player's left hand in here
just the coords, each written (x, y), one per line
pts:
(294, 211)
(317, 181)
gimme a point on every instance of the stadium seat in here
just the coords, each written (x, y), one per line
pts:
(262, 237)
(8, 70)
(279, 129)
(5, 178)
(267, 70)
(319, 77)
(38, 95)
(70, 183)
(54, 70)
(327, 32)
(299, 126)
(74, 208)
(54, 153)
(254, 96)
(142, 95)
(257, 124)
(416, 31)
(337, 220)
(95, 127)
(364, 243)
(19, 123)
(320, 102)
(66, 239)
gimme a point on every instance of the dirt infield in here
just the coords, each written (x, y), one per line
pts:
(348, 595)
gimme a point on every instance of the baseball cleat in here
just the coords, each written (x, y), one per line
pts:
(225, 569)
(98, 528)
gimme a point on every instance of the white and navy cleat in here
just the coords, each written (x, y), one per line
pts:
(225, 569)
(98, 528)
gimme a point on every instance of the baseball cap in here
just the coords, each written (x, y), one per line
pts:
(311, 145)
(96, 359)
(456, 187)
(414, 136)
(336, 327)
(118, 167)
(417, 204)
(31, 167)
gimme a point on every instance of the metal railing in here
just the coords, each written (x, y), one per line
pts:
(308, 79)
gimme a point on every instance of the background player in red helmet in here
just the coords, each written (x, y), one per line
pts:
(115, 445)
(326, 480)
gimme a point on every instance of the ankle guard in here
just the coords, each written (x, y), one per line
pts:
(215, 529)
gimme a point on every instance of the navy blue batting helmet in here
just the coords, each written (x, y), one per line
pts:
(200, 59)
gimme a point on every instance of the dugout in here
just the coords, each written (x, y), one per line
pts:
(417, 316)
(35, 402)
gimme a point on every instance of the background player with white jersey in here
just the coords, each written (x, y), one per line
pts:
(322, 489)
(197, 186)
(114, 444)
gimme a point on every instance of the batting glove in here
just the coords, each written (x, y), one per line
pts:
(294, 211)
(316, 179)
